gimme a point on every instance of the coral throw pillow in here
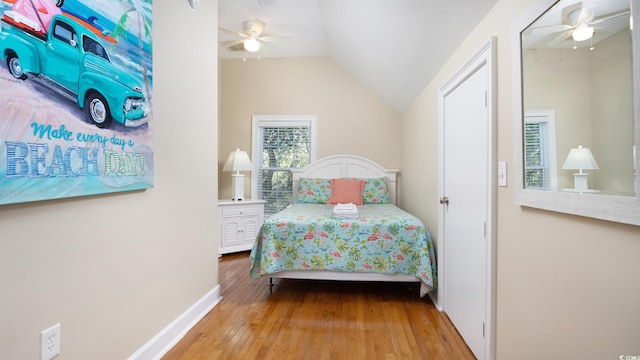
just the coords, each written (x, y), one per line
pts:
(344, 191)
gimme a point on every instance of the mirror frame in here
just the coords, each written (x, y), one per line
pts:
(621, 209)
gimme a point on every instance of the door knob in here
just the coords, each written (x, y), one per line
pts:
(444, 200)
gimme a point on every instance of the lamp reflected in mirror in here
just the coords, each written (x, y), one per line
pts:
(580, 158)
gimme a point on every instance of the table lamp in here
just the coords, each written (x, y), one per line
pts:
(580, 158)
(238, 161)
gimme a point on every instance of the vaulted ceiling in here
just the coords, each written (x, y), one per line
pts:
(395, 47)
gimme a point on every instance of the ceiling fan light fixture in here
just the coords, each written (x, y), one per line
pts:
(251, 44)
(582, 33)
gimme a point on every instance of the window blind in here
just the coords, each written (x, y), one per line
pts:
(282, 146)
(536, 157)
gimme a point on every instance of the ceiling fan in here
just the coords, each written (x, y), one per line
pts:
(250, 37)
(578, 23)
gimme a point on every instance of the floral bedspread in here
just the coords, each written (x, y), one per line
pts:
(383, 239)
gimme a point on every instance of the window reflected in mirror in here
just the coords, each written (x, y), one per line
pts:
(540, 164)
(577, 93)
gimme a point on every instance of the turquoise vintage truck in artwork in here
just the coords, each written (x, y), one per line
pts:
(70, 59)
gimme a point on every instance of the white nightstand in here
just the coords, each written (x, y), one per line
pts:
(239, 222)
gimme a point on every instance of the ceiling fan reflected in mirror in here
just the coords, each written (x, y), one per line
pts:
(578, 23)
(193, 4)
(251, 36)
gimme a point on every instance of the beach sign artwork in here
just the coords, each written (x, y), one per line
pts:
(76, 86)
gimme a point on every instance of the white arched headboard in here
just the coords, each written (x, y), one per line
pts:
(346, 166)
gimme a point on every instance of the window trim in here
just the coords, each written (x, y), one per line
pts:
(283, 121)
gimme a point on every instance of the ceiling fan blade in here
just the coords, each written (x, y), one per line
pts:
(609, 16)
(600, 29)
(257, 26)
(560, 38)
(272, 38)
(586, 14)
(235, 32)
(550, 29)
(570, 13)
(253, 27)
(228, 44)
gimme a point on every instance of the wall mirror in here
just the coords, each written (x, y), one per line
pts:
(576, 101)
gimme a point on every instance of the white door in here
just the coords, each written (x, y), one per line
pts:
(465, 197)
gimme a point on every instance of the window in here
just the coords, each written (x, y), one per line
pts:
(92, 46)
(280, 143)
(540, 169)
(64, 32)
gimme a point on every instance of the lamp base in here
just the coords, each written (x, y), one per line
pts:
(580, 184)
(237, 184)
(580, 181)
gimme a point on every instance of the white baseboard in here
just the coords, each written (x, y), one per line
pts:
(434, 298)
(168, 337)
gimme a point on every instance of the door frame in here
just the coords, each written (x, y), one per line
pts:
(487, 55)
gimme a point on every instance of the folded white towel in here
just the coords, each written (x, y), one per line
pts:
(345, 211)
(350, 207)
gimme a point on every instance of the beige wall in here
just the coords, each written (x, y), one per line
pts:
(555, 79)
(116, 269)
(613, 115)
(351, 118)
(568, 286)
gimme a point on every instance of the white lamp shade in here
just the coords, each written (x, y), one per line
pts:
(251, 45)
(238, 161)
(580, 158)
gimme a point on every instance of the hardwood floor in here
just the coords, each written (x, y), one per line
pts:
(298, 319)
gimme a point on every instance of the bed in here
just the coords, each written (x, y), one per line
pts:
(306, 240)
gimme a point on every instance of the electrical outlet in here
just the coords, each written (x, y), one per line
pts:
(50, 342)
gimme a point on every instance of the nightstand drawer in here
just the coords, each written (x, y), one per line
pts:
(241, 211)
